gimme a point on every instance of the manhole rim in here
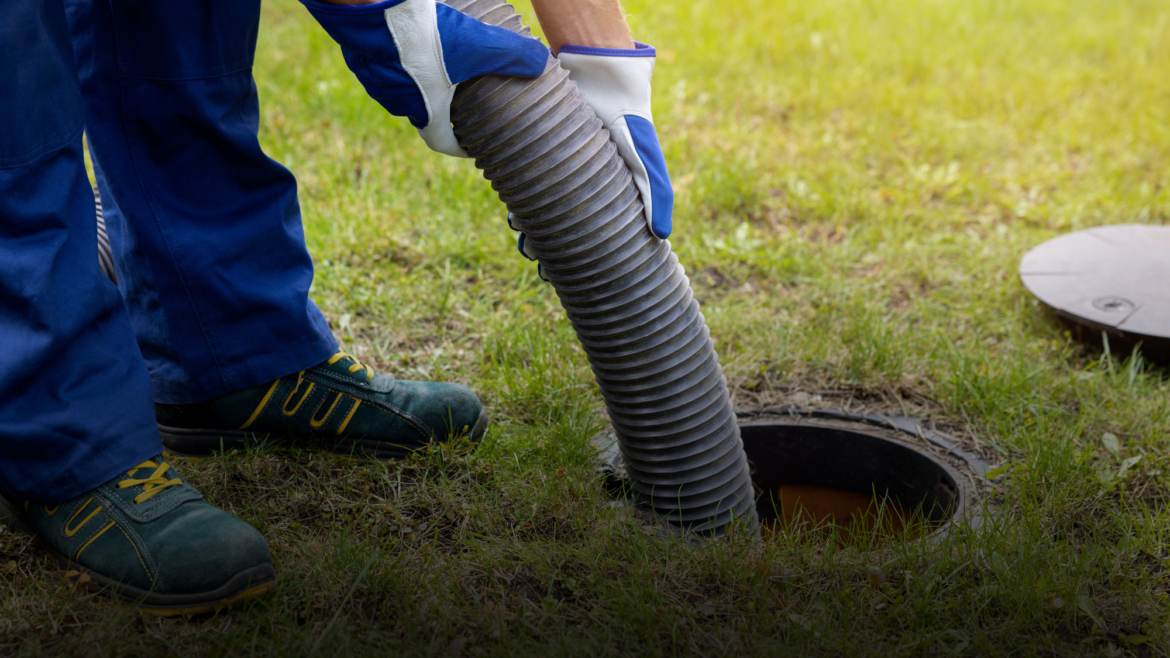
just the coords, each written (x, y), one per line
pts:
(967, 511)
(970, 511)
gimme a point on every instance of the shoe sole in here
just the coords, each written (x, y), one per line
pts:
(195, 443)
(243, 587)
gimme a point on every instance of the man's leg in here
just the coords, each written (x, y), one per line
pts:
(75, 403)
(77, 431)
(210, 252)
(206, 228)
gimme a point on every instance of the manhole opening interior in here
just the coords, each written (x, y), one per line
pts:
(814, 476)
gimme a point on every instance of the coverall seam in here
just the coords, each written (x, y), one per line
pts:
(29, 158)
(209, 343)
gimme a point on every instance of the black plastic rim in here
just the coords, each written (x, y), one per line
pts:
(865, 453)
(861, 460)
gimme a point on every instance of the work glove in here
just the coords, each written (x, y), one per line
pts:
(411, 54)
(616, 84)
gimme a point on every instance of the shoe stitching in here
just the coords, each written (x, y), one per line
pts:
(171, 504)
(333, 407)
(411, 419)
(308, 392)
(127, 529)
(88, 537)
(342, 388)
(153, 582)
(348, 417)
(263, 403)
(32, 511)
(423, 435)
(101, 532)
(65, 526)
(71, 507)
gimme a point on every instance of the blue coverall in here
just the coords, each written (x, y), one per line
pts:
(212, 267)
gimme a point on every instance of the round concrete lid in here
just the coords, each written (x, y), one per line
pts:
(1115, 278)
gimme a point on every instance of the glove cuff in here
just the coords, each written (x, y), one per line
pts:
(639, 50)
(614, 82)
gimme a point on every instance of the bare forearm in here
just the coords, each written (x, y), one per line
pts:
(594, 23)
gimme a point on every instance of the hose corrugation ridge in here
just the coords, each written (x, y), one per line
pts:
(549, 159)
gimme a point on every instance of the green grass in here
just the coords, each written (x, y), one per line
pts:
(857, 181)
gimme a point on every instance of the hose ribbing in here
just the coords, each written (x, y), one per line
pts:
(551, 161)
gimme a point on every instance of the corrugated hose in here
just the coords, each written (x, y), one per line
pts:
(552, 163)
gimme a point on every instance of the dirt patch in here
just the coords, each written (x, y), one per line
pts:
(896, 399)
(810, 394)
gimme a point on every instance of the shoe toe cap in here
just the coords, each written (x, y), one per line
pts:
(205, 549)
(449, 410)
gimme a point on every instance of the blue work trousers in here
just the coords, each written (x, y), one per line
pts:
(212, 267)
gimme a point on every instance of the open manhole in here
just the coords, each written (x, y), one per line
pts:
(827, 472)
(816, 476)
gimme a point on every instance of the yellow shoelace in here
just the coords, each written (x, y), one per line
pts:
(151, 485)
(357, 365)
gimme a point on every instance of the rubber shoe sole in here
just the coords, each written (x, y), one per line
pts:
(193, 443)
(244, 586)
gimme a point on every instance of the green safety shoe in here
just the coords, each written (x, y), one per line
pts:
(340, 405)
(148, 540)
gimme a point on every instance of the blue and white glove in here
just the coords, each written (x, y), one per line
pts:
(411, 54)
(616, 84)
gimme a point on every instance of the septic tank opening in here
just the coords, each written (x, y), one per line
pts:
(816, 477)
(819, 472)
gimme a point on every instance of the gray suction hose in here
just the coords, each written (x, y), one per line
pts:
(630, 302)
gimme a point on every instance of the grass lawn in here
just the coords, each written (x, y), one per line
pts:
(856, 181)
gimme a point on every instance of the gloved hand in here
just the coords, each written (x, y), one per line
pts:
(616, 84)
(520, 245)
(410, 55)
